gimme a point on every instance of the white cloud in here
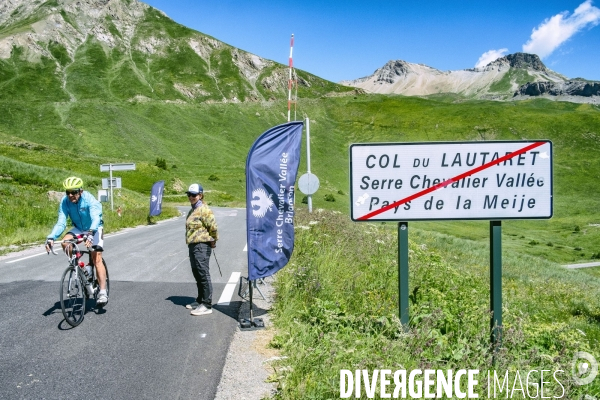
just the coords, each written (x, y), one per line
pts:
(490, 56)
(554, 31)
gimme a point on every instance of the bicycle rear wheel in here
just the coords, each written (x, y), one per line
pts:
(97, 283)
(72, 296)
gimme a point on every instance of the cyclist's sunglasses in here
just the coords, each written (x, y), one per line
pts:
(192, 194)
(72, 192)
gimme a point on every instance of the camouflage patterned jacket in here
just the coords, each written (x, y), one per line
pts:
(200, 225)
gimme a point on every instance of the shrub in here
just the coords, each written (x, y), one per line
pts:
(161, 163)
(213, 178)
(329, 197)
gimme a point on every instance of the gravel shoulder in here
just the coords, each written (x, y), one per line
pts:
(247, 366)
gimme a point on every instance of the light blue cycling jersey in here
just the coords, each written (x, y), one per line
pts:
(86, 214)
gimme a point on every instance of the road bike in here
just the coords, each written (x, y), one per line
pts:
(79, 282)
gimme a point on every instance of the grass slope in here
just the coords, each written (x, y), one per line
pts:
(337, 308)
(205, 141)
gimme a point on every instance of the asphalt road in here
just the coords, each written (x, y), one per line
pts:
(144, 344)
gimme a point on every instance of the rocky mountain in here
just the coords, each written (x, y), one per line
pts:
(126, 50)
(518, 75)
(568, 88)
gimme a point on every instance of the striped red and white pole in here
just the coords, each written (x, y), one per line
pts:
(291, 64)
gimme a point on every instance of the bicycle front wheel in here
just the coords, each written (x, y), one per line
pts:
(72, 296)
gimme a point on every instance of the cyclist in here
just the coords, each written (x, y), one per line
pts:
(86, 216)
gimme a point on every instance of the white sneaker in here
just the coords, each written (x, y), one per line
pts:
(102, 300)
(192, 306)
(201, 310)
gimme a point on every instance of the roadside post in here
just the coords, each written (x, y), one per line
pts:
(308, 183)
(403, 273)
(492, 180)
(110, 183)
(496, 281)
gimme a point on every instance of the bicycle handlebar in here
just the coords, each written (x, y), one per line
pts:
(76, 240)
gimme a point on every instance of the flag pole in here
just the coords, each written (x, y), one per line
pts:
(251, 311)
(308, 161)
(290, 81)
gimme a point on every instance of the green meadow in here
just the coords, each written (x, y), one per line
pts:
(41, 143)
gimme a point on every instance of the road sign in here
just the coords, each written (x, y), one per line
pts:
(103, 195)
(117, 167)
(111, 183)
(308, 183)
(492, 180)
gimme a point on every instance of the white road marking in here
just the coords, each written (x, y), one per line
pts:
(186, 258)
(246, 247)
(227, 294)
(24, 258)
(115, 234)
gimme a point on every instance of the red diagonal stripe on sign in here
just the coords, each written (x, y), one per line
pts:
(451, 180)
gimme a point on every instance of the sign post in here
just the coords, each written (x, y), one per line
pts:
(308, 183)
(403, 273)
(496, 282)
(115, 167)
(493, 180)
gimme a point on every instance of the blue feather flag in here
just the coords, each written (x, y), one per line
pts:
(271, 169)
(156, 198)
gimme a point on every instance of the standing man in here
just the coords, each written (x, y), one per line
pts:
(86, 216)
(201, 237)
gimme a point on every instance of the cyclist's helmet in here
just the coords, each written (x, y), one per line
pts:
(72, 183)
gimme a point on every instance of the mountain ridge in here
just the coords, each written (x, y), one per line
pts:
(506, 78)
(147, 56)
(139, 52)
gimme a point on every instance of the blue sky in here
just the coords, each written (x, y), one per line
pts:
(339, 40)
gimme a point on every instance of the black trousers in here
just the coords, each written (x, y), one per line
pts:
(199, 258)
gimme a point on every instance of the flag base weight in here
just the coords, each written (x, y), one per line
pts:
(251, 325)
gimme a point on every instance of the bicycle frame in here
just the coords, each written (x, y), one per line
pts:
(76, 253)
